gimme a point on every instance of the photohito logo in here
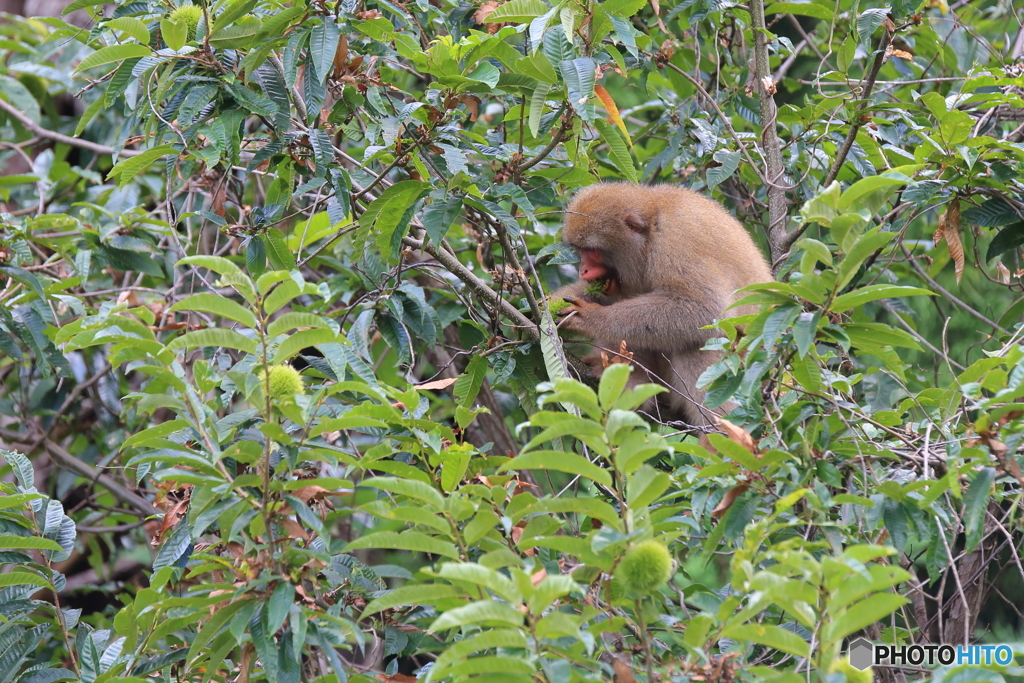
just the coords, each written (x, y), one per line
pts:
(863, 653)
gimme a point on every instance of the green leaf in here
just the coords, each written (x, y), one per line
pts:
(484, 611)
(422, 594)
(290, 321)
(174, 32)
(618, 151)
(390, 213)
(537, 101)
(860, 615)
(254, 102)
(728, 163)
(482, 576)
(281, 258)
(560, 462)
(865, 245)
(220, 337)
(218, 305)
(407, 487)
(1008, 238)
(804, 9)
(439, 215)
(518, 11)
(468, 384)
(136, 28)
(212, 628)
(613, 383)
(236, 36)
(27, 543)
(993, 213)
(863, 295)
(855, 198)
(17, 578)
(300, 340)
(407, 540)
(771, 636)
(323, 43)
(113, 53)
(976, 500)
(232, 13)
(127, 169)
(579, 80)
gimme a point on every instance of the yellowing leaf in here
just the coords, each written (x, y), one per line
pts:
(613, 111)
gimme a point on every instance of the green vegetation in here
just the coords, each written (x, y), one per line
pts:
(282, 400)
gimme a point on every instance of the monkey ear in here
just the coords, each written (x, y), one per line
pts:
(636, 223)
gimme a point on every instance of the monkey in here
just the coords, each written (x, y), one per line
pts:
(671, 260)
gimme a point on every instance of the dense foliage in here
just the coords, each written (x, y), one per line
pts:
(282, 399)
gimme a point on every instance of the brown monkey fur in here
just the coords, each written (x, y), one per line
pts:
(675, 259)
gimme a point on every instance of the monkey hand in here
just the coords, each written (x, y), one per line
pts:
(578, 315)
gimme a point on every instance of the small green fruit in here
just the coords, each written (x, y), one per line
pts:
(645, 567)
(190, 16)
(285, 382)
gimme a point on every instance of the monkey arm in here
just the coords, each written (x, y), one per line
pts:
(655, 321)
(572, 290)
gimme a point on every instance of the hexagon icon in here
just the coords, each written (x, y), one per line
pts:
(861, 652)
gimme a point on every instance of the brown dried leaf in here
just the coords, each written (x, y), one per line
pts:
(486, 9)
(341, 56)
(623, 674)
(170, 520)
(727, 500)
(538, 576)
(472, 103)
(437, 384)
(738, 435)
(949, 229)
(308, 493)
(1004, 273)
(396, 678)
(769, 85)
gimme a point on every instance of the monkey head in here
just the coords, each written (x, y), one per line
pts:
(609, 224)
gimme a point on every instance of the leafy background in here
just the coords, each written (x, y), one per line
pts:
(370, 192)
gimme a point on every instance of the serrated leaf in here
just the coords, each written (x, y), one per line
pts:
(218, 337)
(136, 28)
(480, 612)
(862, 296)
(517, 11)
(128, 168)
(323, 43)
(618, 151)
(113, 53)
(537, 100)
(560, 462)
(771, 636)
(407, 487)
(407, 540)
(218, 305)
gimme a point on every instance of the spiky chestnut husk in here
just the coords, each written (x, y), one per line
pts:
(556, 305)
(645, 567)
(190, 16)
(285, 382)
(596, 288)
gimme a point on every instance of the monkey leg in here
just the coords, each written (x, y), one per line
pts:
(687, 401)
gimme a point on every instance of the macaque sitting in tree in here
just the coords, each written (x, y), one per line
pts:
(669, 262)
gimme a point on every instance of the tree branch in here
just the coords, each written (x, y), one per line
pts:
(70, 462)
(60, 137)
(777, 205)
